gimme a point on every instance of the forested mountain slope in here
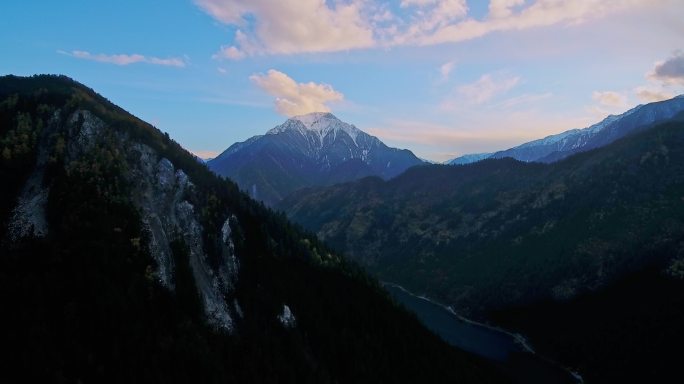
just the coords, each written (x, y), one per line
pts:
(124, 259)
(503, 232)
(585, 256)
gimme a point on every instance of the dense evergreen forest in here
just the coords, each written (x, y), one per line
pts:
(81, 302)
(461, 233)
(585, 255)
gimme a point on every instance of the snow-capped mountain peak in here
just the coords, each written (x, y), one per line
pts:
(308, 150)
(316, 119)
(322, 123)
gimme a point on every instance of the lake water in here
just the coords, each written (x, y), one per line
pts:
(474, 338)
(508, 351)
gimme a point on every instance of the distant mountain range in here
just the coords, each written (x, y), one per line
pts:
(470, 158)
(586, 253)
(438, 220)
(309, 150)
(562, 145)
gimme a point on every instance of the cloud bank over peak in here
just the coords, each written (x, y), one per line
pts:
(292, 98)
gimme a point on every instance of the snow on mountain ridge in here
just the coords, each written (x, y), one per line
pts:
(312, 118)
(309, 150)
(322, 123)
(592, 130)
(554, 147)
(468, 158)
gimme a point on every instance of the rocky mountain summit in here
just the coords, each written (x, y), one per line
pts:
(308, 150)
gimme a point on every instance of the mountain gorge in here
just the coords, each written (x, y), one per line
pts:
(562, 145)
(124, 259)
(309, 150)
(584, 254)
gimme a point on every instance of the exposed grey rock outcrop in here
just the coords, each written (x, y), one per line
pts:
(161, 196)
(160, 192)
(28, 217)
(287, 318)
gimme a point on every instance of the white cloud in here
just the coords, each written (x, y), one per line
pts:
(664, 79)
(291, 26)
(430, 15)
(610, 99)
(229, 52)
(298, 26)
(540, 13)
(650, 95)
(499, 9)
(526, 99)
(446, 69)
(487, 87)
(418, 3)
(124, 59)
(294, 98)
(670, 71)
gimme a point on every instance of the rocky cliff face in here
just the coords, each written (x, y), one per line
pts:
(160, 192)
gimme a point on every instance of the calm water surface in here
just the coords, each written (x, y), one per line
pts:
(474, 338)
(509, 351)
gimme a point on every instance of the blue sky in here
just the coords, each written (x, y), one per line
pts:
(441, 78)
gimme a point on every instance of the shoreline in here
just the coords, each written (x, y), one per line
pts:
(517, 337)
